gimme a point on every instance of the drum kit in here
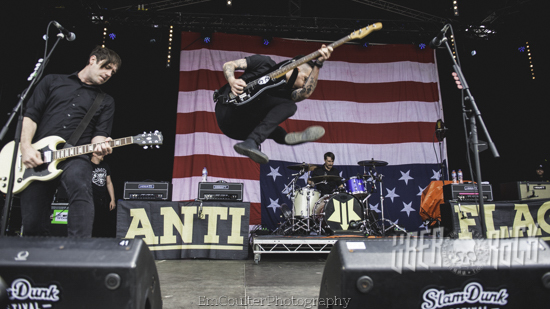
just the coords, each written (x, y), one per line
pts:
(344, 210)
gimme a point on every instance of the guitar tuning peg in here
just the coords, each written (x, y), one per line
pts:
(158, 146)
(156, 131)
(145, 147)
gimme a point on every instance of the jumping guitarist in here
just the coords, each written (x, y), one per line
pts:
(56, 108)
(259, 119)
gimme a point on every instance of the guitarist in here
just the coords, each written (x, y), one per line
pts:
(56, 107)
(259, 120)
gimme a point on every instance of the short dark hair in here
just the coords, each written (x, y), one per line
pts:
(104, 53)
(329, 155)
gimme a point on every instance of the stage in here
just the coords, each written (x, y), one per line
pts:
(205, 283)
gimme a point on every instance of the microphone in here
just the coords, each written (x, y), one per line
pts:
(70, 36)
(436, 42)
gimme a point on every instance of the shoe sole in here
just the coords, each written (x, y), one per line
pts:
(310, 134)
(256, 155)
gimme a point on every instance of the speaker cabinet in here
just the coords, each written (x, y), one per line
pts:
(79, 273)
(525, 190)
(437, 273)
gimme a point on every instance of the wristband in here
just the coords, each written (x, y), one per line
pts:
(318, 64)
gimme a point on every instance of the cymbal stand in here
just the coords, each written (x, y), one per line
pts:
(365, 226)
(392, 224)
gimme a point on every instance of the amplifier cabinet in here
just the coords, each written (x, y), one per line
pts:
(466, 192)
(144, 190)
(436, 273)
(61, 272)
(221, 191)
(525, 190)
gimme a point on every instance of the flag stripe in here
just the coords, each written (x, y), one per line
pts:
(348, 111)
(203, 59)
(222, 148)
(331, 90)
(353, 53)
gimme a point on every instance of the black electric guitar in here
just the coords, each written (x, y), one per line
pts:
(52, 156)
(275, 77)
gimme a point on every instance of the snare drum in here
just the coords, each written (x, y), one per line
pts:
(356, 186)
(301, 197)
(341, 209)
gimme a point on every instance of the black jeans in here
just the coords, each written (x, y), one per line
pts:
(257, 120)
(36, 200)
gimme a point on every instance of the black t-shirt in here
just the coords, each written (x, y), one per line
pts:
(99, 180)
(258, 66)
(59, 103)
(330, 185)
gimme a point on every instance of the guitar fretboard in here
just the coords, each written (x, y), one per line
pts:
(85, 149)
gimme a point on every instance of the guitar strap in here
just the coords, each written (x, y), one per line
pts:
(292, 78)
(84, 123)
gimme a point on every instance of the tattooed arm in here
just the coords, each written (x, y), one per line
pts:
(303, 93)
(310, 83)
(237, 85)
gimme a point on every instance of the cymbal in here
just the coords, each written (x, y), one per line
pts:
(372, 163)
(325, 177)
(299, 167)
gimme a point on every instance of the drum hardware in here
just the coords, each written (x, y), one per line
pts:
(379, 226)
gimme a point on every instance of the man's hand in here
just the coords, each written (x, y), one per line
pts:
(325, 53)
(102, 148)
(112, 205)
(237, 86)
(30, 156)
(457, 81)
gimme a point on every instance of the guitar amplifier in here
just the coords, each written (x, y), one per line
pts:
(148, 190)
(221, 191)
(525, 190)
(466, 192)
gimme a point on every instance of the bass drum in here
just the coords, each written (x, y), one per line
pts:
(341, 210)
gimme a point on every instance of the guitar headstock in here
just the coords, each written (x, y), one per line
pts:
(363, 32)
(148, 139)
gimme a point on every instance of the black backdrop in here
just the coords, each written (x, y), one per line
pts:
(513, 105)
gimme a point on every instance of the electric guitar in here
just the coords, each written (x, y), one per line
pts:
(275, 77)
(52, 156)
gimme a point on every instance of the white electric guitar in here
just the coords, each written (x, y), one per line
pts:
(52, 156)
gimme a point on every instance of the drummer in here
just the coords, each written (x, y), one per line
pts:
(327, 169)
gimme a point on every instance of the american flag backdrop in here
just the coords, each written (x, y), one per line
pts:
(379, 102)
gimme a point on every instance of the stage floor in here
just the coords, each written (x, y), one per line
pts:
(221, 283)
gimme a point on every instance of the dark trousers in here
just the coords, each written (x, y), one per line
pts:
(36, 200)
(257, 120)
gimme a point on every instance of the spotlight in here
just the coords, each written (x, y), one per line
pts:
(112, 36)
(473, 52)
(207, 39)
(266, 42)
(229, 2)
(521, 49)
(422, 45)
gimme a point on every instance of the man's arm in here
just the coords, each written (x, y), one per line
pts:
(111, 190)
(311, 82)
(229, 68)
(30, 156)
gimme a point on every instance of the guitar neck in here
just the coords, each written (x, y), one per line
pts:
(89, 148)
(316, 54)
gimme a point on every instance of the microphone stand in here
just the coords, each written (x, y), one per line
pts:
(474, 142)
(35, 76)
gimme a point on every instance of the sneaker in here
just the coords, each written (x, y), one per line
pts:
(310, 134)
(250, 149)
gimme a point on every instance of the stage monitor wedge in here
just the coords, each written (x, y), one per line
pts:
(55, 272)
(437, 273)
